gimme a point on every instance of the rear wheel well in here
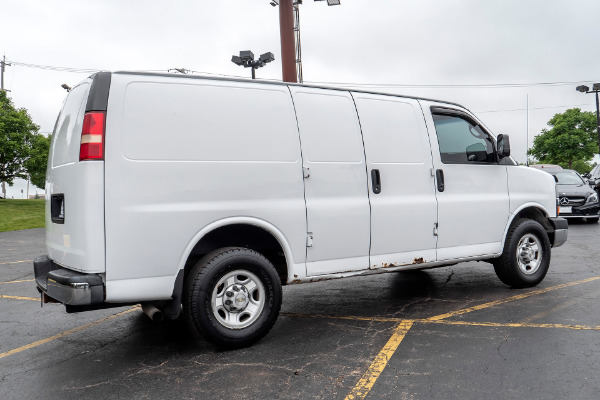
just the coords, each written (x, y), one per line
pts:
(246, 236)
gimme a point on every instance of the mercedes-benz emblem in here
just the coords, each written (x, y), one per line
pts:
(563, 201)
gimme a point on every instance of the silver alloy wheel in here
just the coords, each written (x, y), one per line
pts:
(529, 254)
(238, 299)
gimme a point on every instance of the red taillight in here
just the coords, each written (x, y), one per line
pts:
(92, 136)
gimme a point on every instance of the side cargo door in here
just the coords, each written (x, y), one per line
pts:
(401, 183)
(335, 184)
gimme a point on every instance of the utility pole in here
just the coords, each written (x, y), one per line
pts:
(2, 65)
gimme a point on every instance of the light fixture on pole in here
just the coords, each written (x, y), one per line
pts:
(595, 89)
(246, 60)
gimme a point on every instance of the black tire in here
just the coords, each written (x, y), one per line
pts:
(592, 220)
(201, 295)
(512, 269)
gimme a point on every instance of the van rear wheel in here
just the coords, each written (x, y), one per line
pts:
(232, 297)
(526, 256)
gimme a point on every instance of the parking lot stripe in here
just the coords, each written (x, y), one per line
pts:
(365, 384)
(15, 262)
(26, 280)
(446, 322)
(3, 296)
(509, 299)
(353, 318)
(65, 333)
(513, 325)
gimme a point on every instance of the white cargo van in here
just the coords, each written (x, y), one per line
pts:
(202, 196)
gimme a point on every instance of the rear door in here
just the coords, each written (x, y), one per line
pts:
(337, 203)
(75, 190)
(401, 185)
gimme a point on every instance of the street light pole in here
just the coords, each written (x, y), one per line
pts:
(595, 89)
(288, 47)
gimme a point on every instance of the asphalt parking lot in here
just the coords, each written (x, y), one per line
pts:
(448, 333)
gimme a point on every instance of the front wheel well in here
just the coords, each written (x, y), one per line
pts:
(538, 215)
(245, 236)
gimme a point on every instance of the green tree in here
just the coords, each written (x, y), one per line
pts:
(37, 162)
(571, 139)
(23, 151)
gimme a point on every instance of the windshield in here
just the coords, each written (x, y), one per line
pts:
(568, 178)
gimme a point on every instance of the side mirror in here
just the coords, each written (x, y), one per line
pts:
(503, 146)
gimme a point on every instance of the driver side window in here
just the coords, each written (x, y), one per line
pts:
(462, 142)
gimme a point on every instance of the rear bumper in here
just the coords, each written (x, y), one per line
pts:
(561, 231)
(67, 286)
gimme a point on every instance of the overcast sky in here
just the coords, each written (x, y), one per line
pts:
(393, 45)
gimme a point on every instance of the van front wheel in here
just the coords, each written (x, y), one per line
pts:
(526, 256)
(232, 297)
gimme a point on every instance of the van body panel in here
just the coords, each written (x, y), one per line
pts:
(337, 200)
(73, 243)
(157, 201)
(473, 208)
(404, 213)
(531, 186)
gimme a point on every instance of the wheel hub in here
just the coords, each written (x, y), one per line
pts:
(237, 298)
(529, 256)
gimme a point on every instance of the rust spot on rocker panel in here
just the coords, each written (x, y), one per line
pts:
(417, 260)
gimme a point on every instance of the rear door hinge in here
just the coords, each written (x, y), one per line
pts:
(309, 239)
(435, 229)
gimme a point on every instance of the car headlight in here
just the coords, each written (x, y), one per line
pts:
(592, 198)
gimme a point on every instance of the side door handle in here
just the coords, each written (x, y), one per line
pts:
(439, 178)
(376, 181)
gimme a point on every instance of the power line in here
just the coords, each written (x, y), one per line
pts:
(54, 68)
(532, 108)
(375, 85)
(479, 85)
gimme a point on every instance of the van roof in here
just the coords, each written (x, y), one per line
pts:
(278, 83)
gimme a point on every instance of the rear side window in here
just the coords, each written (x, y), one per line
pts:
(67, 132)
(463, 142)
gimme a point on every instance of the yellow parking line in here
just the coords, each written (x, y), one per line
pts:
(15, 262)
(509, 299)
(3, 296)
(65, 333)
(446, 322)
(512, 325)
(365, 384)
(352, 318)
(25, 280)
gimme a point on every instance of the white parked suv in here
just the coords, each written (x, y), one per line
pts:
(202, 196)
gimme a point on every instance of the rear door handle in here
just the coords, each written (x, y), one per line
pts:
(376, 181)
(439, 177)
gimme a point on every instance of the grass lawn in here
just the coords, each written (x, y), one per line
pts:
(21, 214)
